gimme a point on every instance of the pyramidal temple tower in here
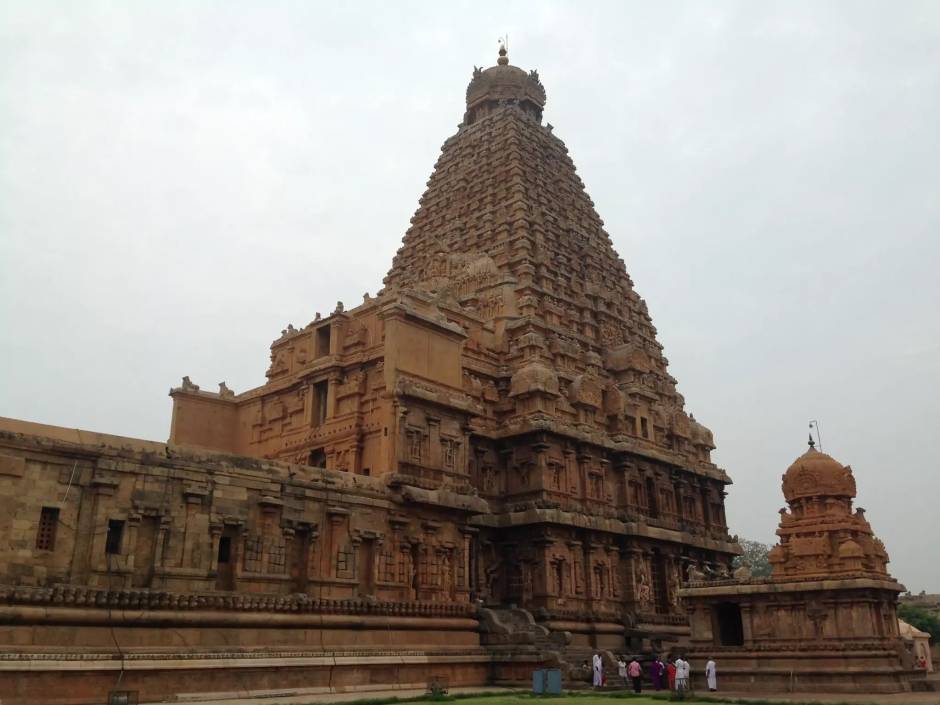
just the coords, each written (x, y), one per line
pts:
(507, 379)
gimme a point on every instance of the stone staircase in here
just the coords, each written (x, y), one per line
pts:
(516, 626)
(516, 629)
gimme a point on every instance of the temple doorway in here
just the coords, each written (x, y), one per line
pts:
(225, 574)
(730, 627)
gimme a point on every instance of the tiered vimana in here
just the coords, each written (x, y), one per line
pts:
(826, 620)
(496, 427)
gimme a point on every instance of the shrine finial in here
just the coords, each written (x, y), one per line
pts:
(503, 51)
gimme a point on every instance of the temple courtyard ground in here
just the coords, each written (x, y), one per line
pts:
(503, 696)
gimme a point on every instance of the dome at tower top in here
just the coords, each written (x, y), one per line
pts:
(815, 474)
(504, 84)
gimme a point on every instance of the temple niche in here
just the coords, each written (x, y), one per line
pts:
(491, 442)
(826, 619)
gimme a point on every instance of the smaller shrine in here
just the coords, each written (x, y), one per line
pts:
(826, 619)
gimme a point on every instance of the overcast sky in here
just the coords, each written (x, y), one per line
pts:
(179, 180)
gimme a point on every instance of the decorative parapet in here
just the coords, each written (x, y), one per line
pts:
(84, 597)
(792, 584)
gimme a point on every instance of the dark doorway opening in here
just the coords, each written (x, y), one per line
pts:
(730, 627)
(225, 574)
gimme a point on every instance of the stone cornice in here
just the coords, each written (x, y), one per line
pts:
(137, 601)
(763, 586)
(608, 525)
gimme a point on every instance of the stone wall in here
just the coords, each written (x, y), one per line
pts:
(179, 563)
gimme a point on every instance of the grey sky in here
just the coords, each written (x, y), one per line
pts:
(178, 181)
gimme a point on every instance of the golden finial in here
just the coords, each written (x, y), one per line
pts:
(503, 51)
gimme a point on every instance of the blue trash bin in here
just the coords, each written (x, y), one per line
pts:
(538, 681)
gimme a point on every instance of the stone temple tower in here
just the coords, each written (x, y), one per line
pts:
(509, 374)
(826, 619)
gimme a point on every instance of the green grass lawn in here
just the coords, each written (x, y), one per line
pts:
(569, 698)
(587, 698)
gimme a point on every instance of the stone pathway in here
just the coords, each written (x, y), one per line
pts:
(292, 698)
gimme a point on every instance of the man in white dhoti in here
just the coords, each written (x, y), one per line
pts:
(711, 673)
(683, 670)
(598, 671)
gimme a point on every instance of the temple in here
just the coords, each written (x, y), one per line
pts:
(507, 362)
(484, 467)
(826, 620)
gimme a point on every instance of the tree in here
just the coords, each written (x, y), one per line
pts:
(755, 554)
(922, 619)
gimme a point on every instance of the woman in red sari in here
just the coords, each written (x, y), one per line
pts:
(671, 673)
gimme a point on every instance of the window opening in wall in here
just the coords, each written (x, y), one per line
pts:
(112, 543)
(365, 471)
(345, 565)
(317, 458)
(48, 522)
(319, 402)
(323, 341)
(644, 427)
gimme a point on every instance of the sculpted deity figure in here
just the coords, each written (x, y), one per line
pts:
(644, 593)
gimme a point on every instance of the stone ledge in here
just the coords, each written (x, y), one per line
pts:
(73, 596)
(755, 586)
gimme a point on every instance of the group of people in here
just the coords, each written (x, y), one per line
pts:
(674, 674)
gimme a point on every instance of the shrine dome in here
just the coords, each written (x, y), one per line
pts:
(701, 435)
(815, 474)
(503, 84)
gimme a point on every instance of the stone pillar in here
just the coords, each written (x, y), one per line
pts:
(570, 470)
(463, 454)
(583, 459)
(130, 540)
(434, 441)
(541, 463)
(215, 536)
(333, 384)
(308, 405)
(161, 538)
(746, 623)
